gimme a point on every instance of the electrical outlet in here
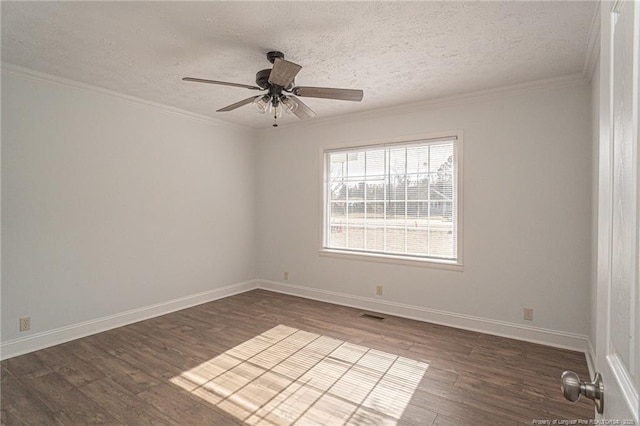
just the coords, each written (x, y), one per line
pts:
(528, 314)
(25, 323)
(379, 290)
(286, 276)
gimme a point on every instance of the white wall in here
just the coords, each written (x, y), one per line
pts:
(595, 147)
(111, 205)
(527, 208)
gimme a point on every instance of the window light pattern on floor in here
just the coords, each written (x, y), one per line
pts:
(287, 376)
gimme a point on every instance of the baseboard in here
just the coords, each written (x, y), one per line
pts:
(592, 361)
(23, 345)
(542, 336)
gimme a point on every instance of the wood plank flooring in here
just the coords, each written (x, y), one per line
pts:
(126, 376)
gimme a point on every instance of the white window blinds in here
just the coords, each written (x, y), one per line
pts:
(393, 199)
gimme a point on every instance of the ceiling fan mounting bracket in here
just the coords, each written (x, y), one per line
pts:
(271, 56)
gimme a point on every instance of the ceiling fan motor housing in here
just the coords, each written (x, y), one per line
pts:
(262, 78)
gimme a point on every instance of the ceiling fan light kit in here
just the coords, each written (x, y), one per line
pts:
(279, 82)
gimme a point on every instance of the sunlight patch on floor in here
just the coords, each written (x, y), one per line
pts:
(288, 376)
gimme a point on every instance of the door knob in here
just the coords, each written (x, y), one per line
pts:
(573, 388)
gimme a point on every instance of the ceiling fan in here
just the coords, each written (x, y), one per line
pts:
(281, 90)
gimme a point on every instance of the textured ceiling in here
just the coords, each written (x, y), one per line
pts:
(397, 52)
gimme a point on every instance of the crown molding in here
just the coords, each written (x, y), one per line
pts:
(569, 80)
(48, 78)
(593, 46)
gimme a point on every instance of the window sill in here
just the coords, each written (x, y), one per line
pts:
(397, 260)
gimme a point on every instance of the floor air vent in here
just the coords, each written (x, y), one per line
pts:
(369, 315)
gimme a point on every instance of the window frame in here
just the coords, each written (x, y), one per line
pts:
(406, 260)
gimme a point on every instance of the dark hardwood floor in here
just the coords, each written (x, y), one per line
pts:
(161, 371)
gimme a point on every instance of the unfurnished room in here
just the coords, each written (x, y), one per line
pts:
(320, 213)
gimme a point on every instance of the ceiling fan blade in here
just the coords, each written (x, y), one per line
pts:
(330, 93)
(222, 83)
(238, 104)
(283, 72)
(303, 112)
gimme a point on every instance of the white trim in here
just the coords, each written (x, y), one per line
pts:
(569, 80)
(396, 260)
(592, 360)
(625, 383)
(348, 144)
(617, 5)
(48, 78)
(398, 142)
(593, 46)
(554, 83)
(555, 338)
(23, 345)
(457, 136)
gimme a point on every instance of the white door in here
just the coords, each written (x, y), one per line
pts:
(618, 307)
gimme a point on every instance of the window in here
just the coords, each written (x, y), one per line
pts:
(397, 200)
